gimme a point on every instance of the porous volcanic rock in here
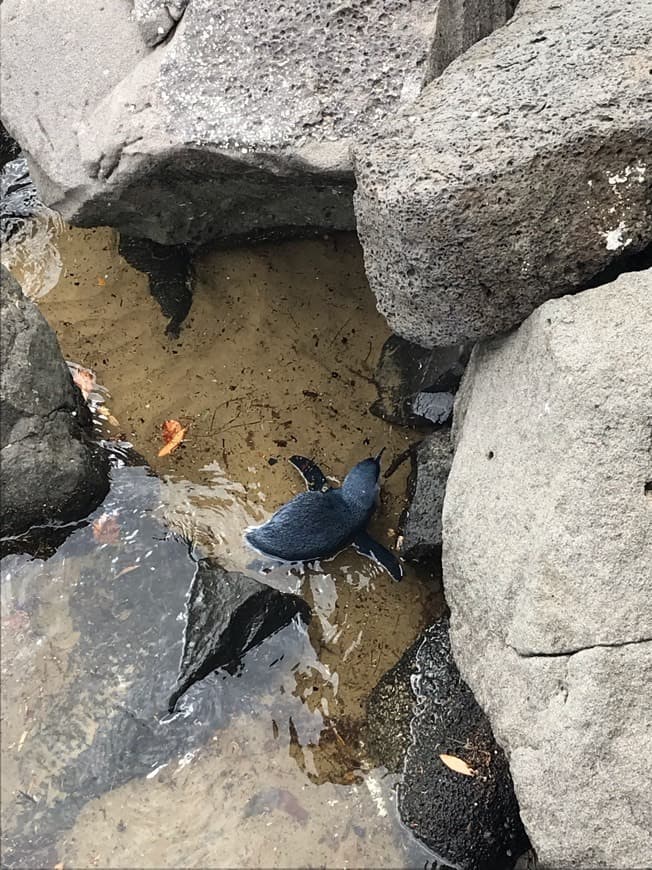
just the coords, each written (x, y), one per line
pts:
(49, 469)
(520, 174)
(547, 559)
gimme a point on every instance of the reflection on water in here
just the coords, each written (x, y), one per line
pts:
(265, 766)
(29, 232)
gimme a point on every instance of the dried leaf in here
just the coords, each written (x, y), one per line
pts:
(85, 380)
(125, 571)
(106, 529)
(169, 429)
(457, 765)
(173, 435)
(101, 281)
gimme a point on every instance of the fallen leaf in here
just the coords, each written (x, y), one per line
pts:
(169, 429)
(173, 435)
(125, 571)
(101, 281)
(457, 765)
(106, 529)
(85, 380)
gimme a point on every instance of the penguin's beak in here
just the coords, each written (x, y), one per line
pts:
(378, 455)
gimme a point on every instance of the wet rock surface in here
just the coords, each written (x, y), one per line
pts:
(240, 124)
(108, 722)
(553, 441)
(518, 175)
(9, 148)
(50, 470)
(420, 710)
(416, 385)
(422, 526)
(169, 269)
(228, 613)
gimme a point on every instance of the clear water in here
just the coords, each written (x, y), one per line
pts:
(265, 767)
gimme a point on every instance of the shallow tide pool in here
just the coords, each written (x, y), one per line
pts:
(265, 766)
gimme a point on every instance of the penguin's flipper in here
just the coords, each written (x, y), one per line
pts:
(373, 550)
(313, 476)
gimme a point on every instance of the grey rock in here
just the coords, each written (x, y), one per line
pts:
(436, 408)
(422, 527)
(49, 469)
(461, 23)
(547, 557)
(518, 175)
(469, 822)
(407, 375)
(228, 613)
(156, 18)
(240, 124)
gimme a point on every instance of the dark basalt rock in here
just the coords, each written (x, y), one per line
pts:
(469, 822)
(50, 470)
(169, 269)
(228, 613)
(416, 386)
(422, 524)
(9, 148)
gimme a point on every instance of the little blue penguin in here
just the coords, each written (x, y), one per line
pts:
(320, 523)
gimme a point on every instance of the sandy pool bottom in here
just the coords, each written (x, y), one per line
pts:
(276, 357)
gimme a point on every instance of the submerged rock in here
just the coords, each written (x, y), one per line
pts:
(124, 583)
(227, 614)
(239, 124)
(416, 385)
(420, 710)
(50, 470)
(546, 558)
(518, 175)
(422, 532)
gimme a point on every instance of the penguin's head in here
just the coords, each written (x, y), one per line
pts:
(360, 487)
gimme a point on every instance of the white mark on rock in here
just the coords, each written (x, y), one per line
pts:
(614, 238)
(620, 178)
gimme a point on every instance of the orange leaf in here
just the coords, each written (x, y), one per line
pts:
(106, 529)
(169, 429)
(457, 765)
(101, 282)
(173, 443)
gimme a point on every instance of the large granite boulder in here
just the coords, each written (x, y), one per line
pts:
(520, 174)
(547, 560)
(421, 710)
(49, 469)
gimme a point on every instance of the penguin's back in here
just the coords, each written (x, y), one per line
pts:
(313, 525)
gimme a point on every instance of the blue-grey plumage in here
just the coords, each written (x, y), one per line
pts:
(316, 525)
